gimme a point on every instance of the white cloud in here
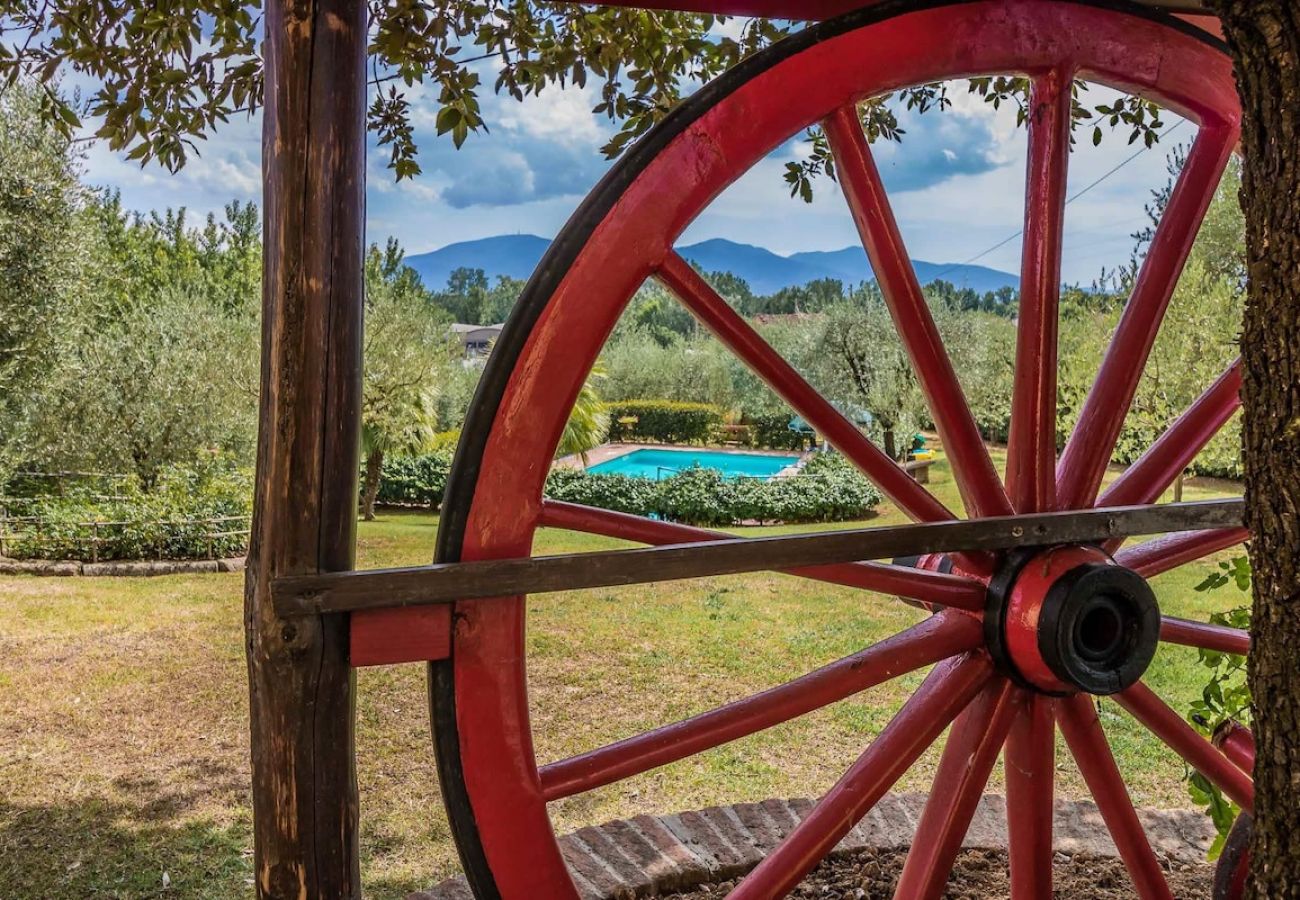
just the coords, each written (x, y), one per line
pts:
(556, 114)
(957, 183)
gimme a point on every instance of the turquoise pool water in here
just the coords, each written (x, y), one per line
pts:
(663, 463)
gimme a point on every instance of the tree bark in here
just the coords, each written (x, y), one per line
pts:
(304, 519)
(1265, 39)
(374, 471)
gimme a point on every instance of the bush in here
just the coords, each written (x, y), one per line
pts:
(773, 431)
(621, 493)
(703, 497)
(198, 511)
(829, 490)
(665, 421)
(414, 480)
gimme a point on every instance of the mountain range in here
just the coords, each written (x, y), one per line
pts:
(516, 255)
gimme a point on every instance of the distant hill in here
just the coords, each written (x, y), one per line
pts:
(516, 255)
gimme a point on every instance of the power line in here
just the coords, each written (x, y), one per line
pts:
(1002, 243)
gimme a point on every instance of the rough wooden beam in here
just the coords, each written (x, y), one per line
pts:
(309, 595)
(304, 520)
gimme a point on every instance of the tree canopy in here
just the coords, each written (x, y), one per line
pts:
(165, 76)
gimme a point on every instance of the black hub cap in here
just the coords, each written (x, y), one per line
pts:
(1098, 627)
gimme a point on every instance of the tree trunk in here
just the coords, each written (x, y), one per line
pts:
(304, 519)
(1265, 39)
(375, 471)
(891, 447)
(1178, 487)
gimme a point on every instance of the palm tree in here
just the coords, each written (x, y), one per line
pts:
(588, 424)
(407, 355)
(403, 425)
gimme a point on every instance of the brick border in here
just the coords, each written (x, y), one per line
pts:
(138, 568)
(651, 855)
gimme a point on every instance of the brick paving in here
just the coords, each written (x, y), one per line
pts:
(652, 855)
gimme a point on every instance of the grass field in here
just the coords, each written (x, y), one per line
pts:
(123, 745)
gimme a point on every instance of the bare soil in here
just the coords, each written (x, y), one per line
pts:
(978, 875)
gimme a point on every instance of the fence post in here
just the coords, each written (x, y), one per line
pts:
(301, 686)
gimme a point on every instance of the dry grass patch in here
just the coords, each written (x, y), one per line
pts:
(124, 752)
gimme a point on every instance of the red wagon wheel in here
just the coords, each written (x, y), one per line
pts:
(1017, 648)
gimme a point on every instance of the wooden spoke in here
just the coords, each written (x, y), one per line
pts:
(901, 581)
(1031, 446)
(1030, 764)
(948, 689)
(1087, 742)
(1090, 447)
(940, 637)
(968, 758)
(741, 338)
(1204, 636)
(1236, 742)
(972, 468)
(1182, 738)
(481, 579)
(1170, 551)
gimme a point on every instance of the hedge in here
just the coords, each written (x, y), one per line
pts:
(197, 511)
(418, 480)
(665, 421)
(829, 490)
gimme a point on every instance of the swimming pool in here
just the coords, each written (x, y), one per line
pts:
(658, 464)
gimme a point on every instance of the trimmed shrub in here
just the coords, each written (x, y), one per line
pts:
(703, 497)
(830, 490)
(621, 493)
(418, 480)
(664, 421)
(414, 480)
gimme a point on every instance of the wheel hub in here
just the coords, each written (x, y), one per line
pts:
(1069, 619)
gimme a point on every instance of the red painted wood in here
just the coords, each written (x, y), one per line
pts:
(1182, 738)
(968, 757)
(1026, 602)
(628, 245)
(1089, 449)
(1078, 720)
(1031, 446)
(388, 636)
(1173, 451)
(949, 688)
(1204, 636)
(738, 335)
(916, 584)
(939, 637)
(1238, 744)
(1030, 764)
(856, 171)
(1168, 552)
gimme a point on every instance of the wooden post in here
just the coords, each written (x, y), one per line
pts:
(304, 519)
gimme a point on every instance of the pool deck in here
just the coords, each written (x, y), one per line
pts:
(606, 452)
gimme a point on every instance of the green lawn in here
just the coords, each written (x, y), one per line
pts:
(123, 754)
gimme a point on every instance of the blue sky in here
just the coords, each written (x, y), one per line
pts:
(956, 181)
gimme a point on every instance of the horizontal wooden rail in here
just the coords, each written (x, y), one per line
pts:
(300, 595)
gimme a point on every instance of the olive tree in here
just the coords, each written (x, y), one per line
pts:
(44, 261)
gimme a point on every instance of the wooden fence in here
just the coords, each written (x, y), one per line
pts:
(28, 531)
